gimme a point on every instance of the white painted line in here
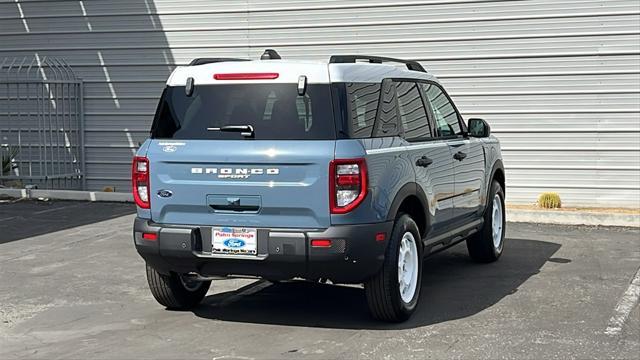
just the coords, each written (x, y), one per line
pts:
(24, 20)
(108, 78)
(44, 77)
(67, 145)
(132, 145)
(628, 300)
(84, 13)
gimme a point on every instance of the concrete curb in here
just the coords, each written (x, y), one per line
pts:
(514, 215)
(68, 195)
(573, 218)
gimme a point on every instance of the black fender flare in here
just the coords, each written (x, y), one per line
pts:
(410, 189)
(497, 165)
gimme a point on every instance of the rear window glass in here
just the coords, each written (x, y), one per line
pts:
(275, 111)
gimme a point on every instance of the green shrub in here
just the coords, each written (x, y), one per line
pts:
(6, 159)
(549, 200)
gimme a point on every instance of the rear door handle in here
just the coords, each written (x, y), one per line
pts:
(234, 203)
(459, 156)
(235, 208)
(424, 161)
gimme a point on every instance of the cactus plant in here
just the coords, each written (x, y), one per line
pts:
(549, 200)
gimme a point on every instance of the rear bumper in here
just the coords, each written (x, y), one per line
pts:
(354, 255)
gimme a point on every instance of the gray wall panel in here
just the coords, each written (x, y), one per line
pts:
(559, 81)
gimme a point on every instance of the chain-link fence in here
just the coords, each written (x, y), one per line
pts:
(41, 124)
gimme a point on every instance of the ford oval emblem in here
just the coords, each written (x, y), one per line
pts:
(234, 243)
(164, 193)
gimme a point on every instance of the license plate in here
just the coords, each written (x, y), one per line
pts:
(235, 241)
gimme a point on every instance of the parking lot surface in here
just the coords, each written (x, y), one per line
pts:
(79, 291)
(21, 219)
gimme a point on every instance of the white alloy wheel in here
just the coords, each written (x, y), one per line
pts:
(408, 267)
(497, 221)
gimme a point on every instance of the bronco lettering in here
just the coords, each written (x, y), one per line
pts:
(235, 173)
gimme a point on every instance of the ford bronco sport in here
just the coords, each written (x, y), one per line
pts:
(350, 171)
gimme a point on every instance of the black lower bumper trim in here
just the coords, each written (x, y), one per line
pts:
(353, 256)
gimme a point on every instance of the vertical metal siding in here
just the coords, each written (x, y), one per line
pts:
(558, 81)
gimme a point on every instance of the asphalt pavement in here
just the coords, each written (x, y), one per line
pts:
(21, 218)
(75, 288)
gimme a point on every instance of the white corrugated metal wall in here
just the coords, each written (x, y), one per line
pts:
(559, 81)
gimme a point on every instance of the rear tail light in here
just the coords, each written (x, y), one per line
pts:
(246, 76)
(347, 184)
(140, 181)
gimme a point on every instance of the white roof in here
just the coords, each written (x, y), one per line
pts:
(290, 70)
(366, 72)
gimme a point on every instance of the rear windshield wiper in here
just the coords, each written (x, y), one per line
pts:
(244, 130)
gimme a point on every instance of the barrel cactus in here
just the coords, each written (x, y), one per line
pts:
(549, 200)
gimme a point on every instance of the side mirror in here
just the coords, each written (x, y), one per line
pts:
(479, 128)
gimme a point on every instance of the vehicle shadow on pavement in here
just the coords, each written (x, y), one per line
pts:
(29, 218)
(453, 287)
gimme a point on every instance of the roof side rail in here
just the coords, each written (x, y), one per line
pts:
(201, 61)
(341, 59)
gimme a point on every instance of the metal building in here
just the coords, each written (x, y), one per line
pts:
(559, 81)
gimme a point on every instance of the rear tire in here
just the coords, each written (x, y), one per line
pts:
(487, 244)
(393, 293)
(175, 292)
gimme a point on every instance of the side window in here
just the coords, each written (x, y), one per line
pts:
(386, 123)
(363, 105)
(413, 116)
(444, 113)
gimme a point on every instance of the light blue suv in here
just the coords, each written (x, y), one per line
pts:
(349, 171)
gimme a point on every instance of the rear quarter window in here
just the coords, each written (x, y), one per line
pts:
(363, 105)
(367, 110)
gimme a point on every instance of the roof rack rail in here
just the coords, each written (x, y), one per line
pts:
(201, 61)
(411, 64)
